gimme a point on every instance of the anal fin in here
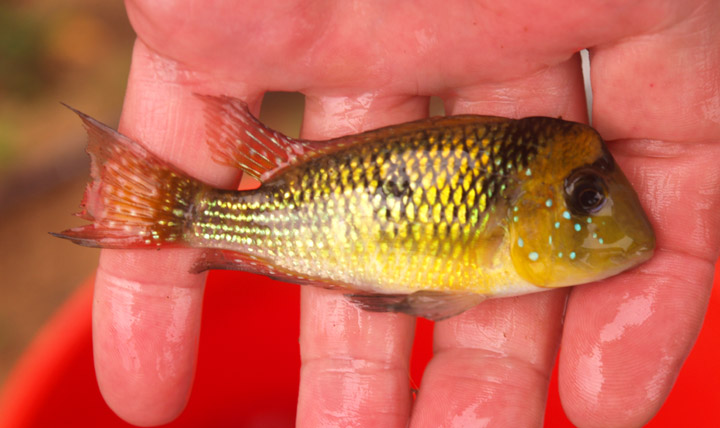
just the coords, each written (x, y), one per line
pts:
(433, 305)
(232, 260)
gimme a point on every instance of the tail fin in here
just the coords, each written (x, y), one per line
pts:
(134, 199)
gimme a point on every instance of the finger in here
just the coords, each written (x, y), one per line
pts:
(555, 92)
(626, 340)
(492, 364)
(355, 364)
(146, 313)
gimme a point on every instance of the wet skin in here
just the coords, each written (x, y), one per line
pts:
(656, 78)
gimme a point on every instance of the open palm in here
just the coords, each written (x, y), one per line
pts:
(656, 80)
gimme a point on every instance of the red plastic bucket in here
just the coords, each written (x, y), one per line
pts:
(54, 384)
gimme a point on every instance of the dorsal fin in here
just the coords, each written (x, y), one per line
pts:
(238, 139)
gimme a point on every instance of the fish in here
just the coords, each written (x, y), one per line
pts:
(427, 218)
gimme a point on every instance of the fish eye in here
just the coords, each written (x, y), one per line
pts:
(585, 192)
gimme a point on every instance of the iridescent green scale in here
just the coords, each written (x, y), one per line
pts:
(414, 210)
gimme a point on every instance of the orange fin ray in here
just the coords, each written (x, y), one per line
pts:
(240, 140)
(134, 199)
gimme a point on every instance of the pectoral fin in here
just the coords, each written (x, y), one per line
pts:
(432, 305)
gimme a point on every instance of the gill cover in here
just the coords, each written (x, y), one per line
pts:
(577, 218)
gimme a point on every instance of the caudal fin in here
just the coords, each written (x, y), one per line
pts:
(134, 199)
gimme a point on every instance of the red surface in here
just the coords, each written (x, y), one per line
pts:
(248, 366)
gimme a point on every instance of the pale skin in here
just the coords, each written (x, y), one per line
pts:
(656, 79)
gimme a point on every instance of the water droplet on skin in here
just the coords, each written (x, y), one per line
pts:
(592, 379)
(657, 385)
(630, 313)
(469, 417)
(533, 256)
(626, 321)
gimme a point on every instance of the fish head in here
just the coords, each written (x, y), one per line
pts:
(575, 218)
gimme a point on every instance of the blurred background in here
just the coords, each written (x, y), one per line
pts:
(72, 51)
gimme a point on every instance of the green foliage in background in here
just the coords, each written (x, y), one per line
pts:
(23, 71)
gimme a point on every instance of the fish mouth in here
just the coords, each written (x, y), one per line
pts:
(635, 256)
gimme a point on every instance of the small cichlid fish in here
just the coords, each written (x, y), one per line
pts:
(428, 217)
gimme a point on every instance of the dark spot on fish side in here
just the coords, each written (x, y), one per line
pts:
(397, 188)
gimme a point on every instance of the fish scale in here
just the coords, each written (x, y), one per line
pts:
(421, 201)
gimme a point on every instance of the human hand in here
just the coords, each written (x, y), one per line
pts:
(656, 80)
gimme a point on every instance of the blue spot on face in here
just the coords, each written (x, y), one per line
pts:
(528, 172)
(533, 256)
(515, 219)
(594, 235)
(550, 240)
(557, 225)
(520, 242)
(560, 254)
(589, 219)
(600, 241)
(566, 215)
(577, 227)
(515, 209)
(572, 255)
(548, 203)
